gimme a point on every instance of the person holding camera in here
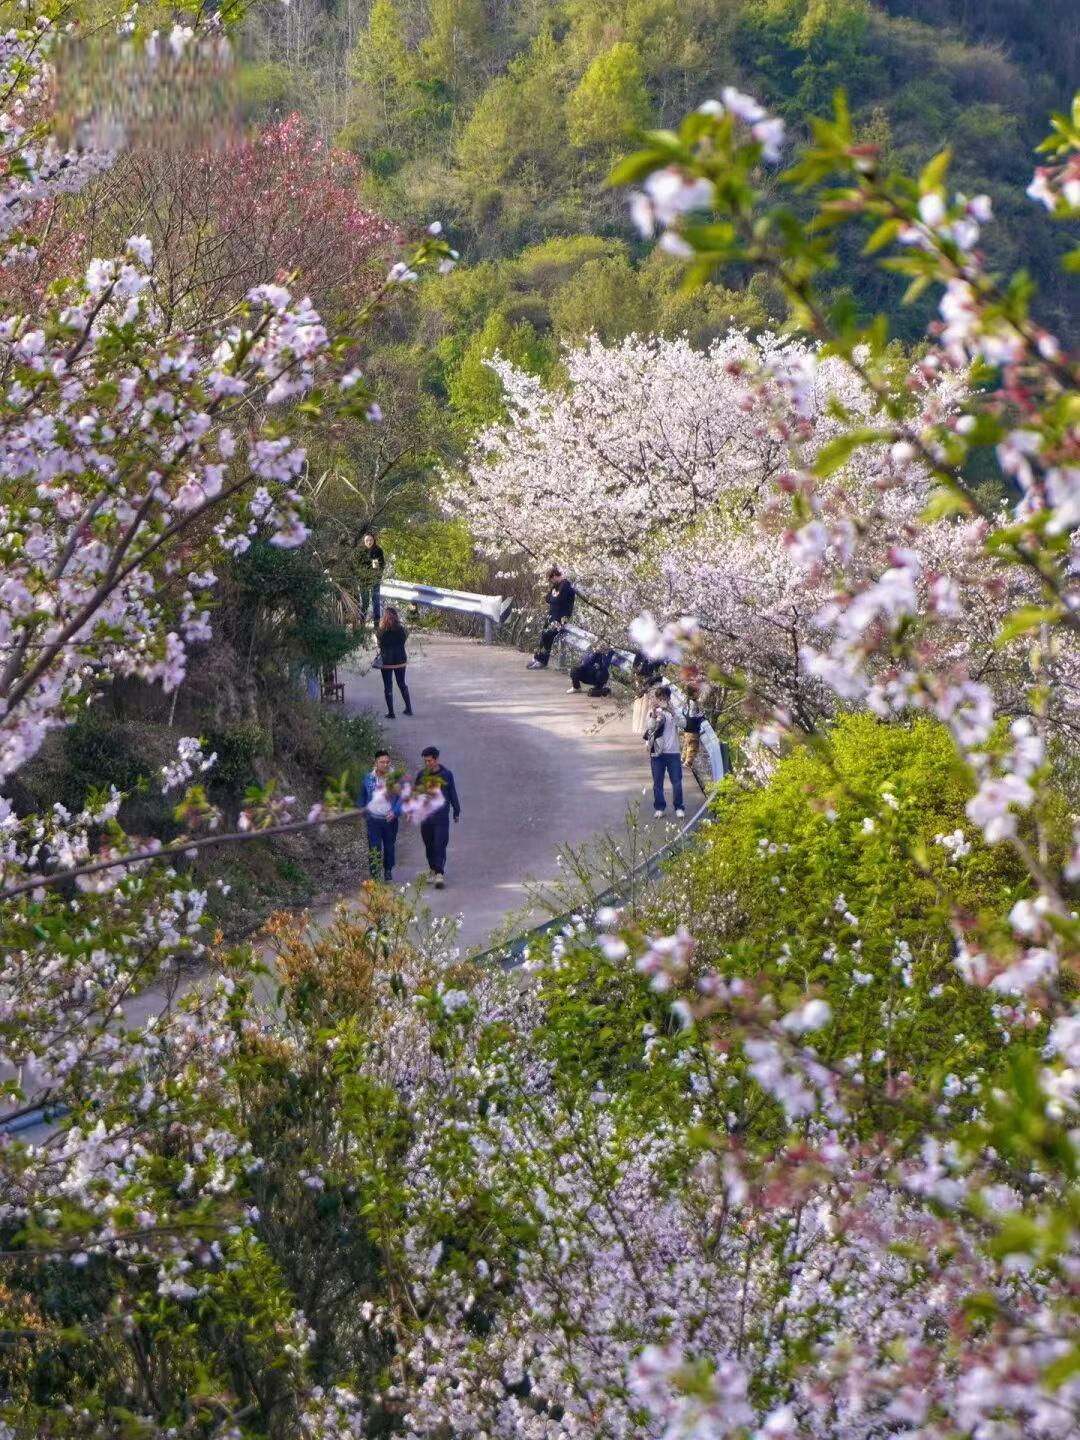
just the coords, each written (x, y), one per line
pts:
(662, 737)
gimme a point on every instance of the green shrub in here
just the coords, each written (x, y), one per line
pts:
(98, 753)
(238, 749)
(322, 742)
(264, 89)
(438, 553)
(831, 877)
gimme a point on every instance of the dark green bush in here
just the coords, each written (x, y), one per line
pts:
(238, 749)
(323, 742)
(97, 754)
(831, 877)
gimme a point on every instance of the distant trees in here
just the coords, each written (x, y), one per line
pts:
(224, 219)
(611, 100)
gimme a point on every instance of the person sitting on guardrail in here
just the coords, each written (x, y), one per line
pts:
(370, 562)
(435, 830)
(392, 659)
(382, 810)
(594, 670)
(560, 603)
(662, 736)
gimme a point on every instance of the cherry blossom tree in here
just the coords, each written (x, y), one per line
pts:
(881, 646)
(278, 206)
(680, 464)
(135, 449)
(621, 1192)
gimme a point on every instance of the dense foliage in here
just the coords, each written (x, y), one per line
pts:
(502, 119)
(795, 1155)
(502, 122)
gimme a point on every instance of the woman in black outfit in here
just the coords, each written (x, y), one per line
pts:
(392, 637)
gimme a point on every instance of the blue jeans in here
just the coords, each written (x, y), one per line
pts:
(369, 594)
(382, 842)
(666, 765)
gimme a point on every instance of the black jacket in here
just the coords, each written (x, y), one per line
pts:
(370, 563)
(596, 666)
(561, 600)
(449, 789)
(392, 647)
(647, 670)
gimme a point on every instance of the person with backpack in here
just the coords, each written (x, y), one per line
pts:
(382, 811)
(594, 670)
(370, 563)
(693, 720)
(392, 659)
(560, 603)
(435, 830)
(662, 737)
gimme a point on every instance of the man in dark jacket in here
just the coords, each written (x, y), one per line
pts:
(594, 669)
(560, 603)
(435, 830)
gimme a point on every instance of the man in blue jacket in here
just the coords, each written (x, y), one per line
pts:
(382, 810)
(435, 830)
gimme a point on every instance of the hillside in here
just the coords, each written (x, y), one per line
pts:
(502, 120)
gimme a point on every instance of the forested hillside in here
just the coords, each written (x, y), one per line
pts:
(502, 121)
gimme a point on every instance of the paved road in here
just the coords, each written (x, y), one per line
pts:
(536, 770)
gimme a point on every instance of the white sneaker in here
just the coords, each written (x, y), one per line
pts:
(440, 883)
(659, 814)
(573, 690)
(681, 814)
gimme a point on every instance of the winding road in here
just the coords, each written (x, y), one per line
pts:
(536, 770)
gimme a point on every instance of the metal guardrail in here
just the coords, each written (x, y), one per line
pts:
(583, 640)
(492, 609)
(513, 953)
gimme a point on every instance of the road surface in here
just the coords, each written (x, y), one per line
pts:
(536, 770)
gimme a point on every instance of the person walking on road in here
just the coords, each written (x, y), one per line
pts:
(370, 562)
(662, 735)
(382, 810)
(560, 603)
(435, 830)
(392, 659)
(594, 669)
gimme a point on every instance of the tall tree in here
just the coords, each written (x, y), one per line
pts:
(385, 68)
(611, 100)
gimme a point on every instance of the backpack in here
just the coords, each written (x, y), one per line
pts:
(655, 732)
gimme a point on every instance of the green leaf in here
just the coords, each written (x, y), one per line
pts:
(1026, 619)
(837, 452)
(1062, 1369)
(933, 172)
(634, 168)
(943, 503)
(884, 235)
